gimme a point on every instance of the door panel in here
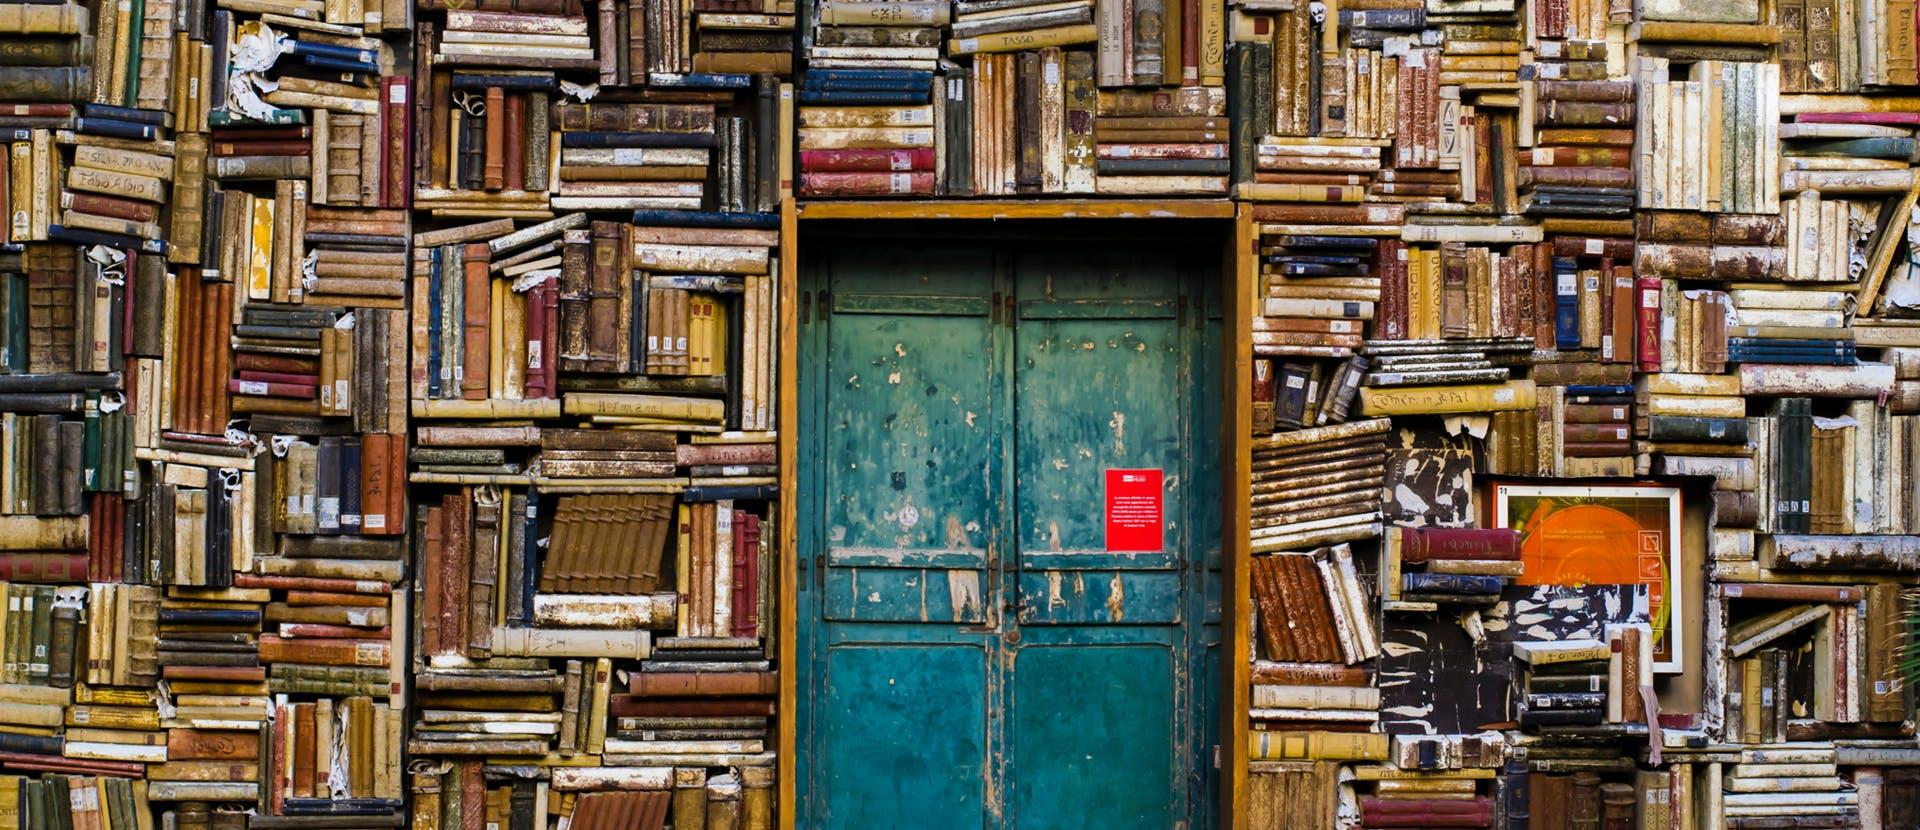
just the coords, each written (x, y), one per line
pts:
(974, 656)
(919, 738)
(1093, 737)
(906, 464)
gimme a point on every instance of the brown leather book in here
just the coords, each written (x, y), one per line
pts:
(494, 168)
(515, 143)
(479, 304)
(323, 652)
(484, 575)
(453, 573)
(303, 747)
(702, 684)
(634, 706)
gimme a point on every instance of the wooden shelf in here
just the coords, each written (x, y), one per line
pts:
(1221, 208)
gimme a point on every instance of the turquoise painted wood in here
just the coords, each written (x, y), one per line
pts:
(973, 654)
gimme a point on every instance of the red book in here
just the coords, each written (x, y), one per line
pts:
(1647, 328)
(1896, 119)
(279, 377)
(536, 374)
(550, 309)
(272, 390)
(37, 110)
(117, 208)
(322, 630)
(866, 184)
(43, 567)
(311, 583)
(866, 161)
(1419, 544)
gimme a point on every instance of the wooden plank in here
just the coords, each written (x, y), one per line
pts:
(1022, 209)
(1236, 493)
(787, 424)
(1893, 229)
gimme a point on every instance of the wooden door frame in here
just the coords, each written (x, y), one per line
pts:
(1238, 285)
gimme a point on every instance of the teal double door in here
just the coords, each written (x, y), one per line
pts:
(1004, 623)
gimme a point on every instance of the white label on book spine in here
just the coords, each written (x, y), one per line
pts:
(734, 470)
(252, 387)
(1595, 247)
(900, 182)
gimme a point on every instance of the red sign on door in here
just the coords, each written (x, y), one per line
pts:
(1134, 501)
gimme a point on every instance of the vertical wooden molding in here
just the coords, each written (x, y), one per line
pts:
(1235, 491)
(787, 422)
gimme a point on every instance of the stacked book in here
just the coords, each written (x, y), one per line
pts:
(1427, 558)
(1790, 325)
(353, 257)
(1696, 326)
(866, 132)
(1318, 486)
(1797, 782)
(1426, 809)
(857, 35)
(640, 130)
(1565, 682)
(1836, 174)
(1312, 610)
(1582, 159)
(757, 40)
(1717, 246)
(1140, 149)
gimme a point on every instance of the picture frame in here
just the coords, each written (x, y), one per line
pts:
(1575, 535)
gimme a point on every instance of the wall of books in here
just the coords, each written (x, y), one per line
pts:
(389, 391)
(1583, 376)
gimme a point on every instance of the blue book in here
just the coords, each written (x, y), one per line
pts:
(1790, 359)
(304, 48)
(873, 84)
(1778, 343)
(333, 64)
(1566, 304)
(902, 76)
(609, 139)
(350, 485)
(740, 492)
(87, 236)
(853, 97)
(1427, 583)
(434, 262)
(1598, 389)
(705, 219)
(530, 83)
(699, 80)
(1353, 243)
(208, 616)
(530, 573)
(116, 113)
(116, 128)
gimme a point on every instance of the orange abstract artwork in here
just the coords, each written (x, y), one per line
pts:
(1579, 536)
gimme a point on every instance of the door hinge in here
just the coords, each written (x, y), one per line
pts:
(806, 308)
(1183, 310)
(993, 309)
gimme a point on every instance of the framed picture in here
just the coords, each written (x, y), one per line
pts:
(1603, 535)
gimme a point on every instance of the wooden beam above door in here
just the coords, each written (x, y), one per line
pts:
(1020, 209)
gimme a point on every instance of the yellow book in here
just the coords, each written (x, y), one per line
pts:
(1023, 41)
(650, 406)
(1328, 746)
(10, 800)
(38, 695)
(512, 355)
(37, 19)
(259, 264)
(602, 691)
(1442, 400)
(496, 344)
(31, 714)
